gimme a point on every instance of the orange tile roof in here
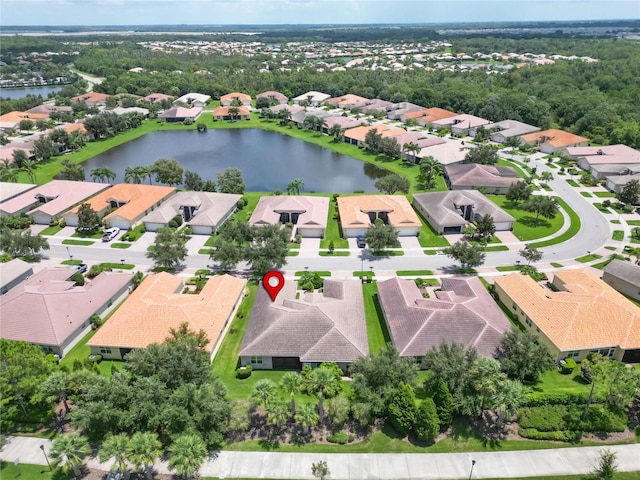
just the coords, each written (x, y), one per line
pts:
(556, 138)
(359, 133)
(224, 111)
(353, 210)
(139, 198)
(416, 114)
(90, 97)
(432, 114)
(233, 95)
(586, 314)
(16, 116)
(158, 305)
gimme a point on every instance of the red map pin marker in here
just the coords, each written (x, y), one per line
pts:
(273, 282)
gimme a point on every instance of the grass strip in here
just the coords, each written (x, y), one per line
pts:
(121, 246)
(335, 253)
(413, 273)
(69, 241)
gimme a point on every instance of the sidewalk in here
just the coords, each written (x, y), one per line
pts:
(346, 466)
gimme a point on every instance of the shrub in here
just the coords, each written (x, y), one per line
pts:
(561, 436)
(298, 238)
(341, 437)
(96, 270)
(244, 372)
(547, 418)
(95, 358)
(96, 321)
(188, 121)
(561, 398)
(243, 202)
(202, 127)
(568, 365)
(62, 223)
(277, 192)
(308, 287)
(177, 219)
(78, 279)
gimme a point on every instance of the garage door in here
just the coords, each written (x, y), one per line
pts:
(457, 229)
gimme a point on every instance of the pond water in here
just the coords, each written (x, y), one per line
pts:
(15, 93)
(268, 160)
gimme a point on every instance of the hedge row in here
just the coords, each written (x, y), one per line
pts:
(556, 418)
(537, 399)
(560, 436)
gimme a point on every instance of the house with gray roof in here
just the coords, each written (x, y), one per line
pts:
(506, 129)
(624, 276)
(473, 176)
(291, 332)
(462, 312)
(307, 214)
(313, 98)
(451, 211)
(12, 273)
(9, 190)
(281, 98)
(616, 183)
(460, 124)
(204, 212)
(49, 310)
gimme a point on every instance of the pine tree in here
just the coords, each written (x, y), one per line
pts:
(443, 401)
(427, 424)
(402, 408)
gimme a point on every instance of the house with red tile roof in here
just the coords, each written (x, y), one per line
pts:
(582, 314)
(158, 305)
(180, 114)
(358, 213)
(274, 96)
(461, 311)
(222, 113)
(307, 214)
(554, 141)
(129, 202)
(433, 114)
(49, 310)
(47, 109)
(92, 99)
(156, 98)
(306, 328)
(243, 98)
(347, 101)
(357, 135)
(51, 200)
(11, 120)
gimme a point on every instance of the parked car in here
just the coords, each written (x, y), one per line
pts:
(81, 268)
(110, 233)
(360, 241)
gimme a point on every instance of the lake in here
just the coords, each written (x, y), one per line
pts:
(15, 93)
(268, 160)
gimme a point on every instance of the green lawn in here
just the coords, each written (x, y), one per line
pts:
(428, 236)
(413, 273)
(335, 253)
(205, 251)
(571, 232)
(377, 331)
(121, 246)
(506, 163)
(51, 230)
(121, 266)
(293, 253)
(28, 471)
(556, 265)
(573, 183)
(496, 248)
(526, 226)
(95, 235)
(604, 194)
(585, 194)
(321, 273)
(69, 241)
(601, 207)
(633, 223)
(81, 351)
(552, 382)
(507, 268)
(387, 253)
(332, 231)
(71, 262)
(588, 258)
(618, 235)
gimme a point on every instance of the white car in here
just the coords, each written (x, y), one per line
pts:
(110, 233)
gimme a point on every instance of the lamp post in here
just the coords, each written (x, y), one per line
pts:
(45, 457)
(68, 253)
(473, 462)
(122, 261)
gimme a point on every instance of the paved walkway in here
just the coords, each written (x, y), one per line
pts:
(271, 465)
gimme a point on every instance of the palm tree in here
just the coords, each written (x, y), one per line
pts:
(102, 174)
(116, 447)
(307, 416)
(8, 174)
(295, 187)
(233, 112)
(54, 388)
(133, 175)
(277, 412)
(290, 382)
(429, 169)
(546, 176)
(68, 451)
(187, 454)
(144, 448)
(147, 172)
(336, 132)
(75, 140)
(264, 390)
(28, 166)
(321, 381)
(413, 148)
(284, 115)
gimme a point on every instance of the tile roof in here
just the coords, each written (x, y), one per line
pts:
(192, 97)
(63, 195)
(627, 271)
(156, 97)
(442, 206)
(463, 121)
(556, 138)
(618, 150)
(224, 111)
(463, 312)
(433, 114)
(318, 327)
(445, 152)
(359, 133)
(280, 97)
(344, 122)
(347, 101)
(9, 189)
(353, 210)
(312, 96)
(283, 106)
(91, 97)
(230, 97)
(16, 116)
(13, 269)
(472, 175)
(313, 210)
(47, 108)
(158, 305)
(212, 208)
(587, 313)
(47, 308)
(181, 112)
(512, 128)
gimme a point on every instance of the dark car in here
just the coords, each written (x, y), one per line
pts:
(360, 241)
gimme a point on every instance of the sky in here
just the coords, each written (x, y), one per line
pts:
(251, 12)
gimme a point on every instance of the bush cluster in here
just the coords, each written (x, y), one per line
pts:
(175, 222)
(341, 437)
(537, 399)
(244, 372)
(560, 436)
(559, 418)
(16, 222)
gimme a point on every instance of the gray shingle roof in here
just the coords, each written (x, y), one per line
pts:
(472, 175)
(463, 312)
(441, 206)
(624, 270)
(316, 328)
(512, 128)
(212, 207)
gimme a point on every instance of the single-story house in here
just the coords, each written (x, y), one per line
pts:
(344, 122)
(422, 143)
(222, 113)
(204, 212)
(307, 214)
(6, 152)
(51, 200)
(446, 153)
(156, 98)
(370, 106)
(624, 277)
(460, 124)
(47, 109)
(554, 141)
(408, 137)
(506, 129)
(92, 99)
(12, 273)
(606, 160)
(131, 202)
(299, 116)
(433, 114)
(293, 332)
(582, 314)
(9, 190)
(347, 101)
(243, 98)
(357, 135)
(473, 176)
(313, 98)
(158, 305)
(123, 110)
(358, 213)
(274, 97)
(462, 311)
(451, 211)
(73, 127)
(293, 109)
(616, 183)
(397, 110)
(49, 310)
(180, 114)
(11, 120)
(193, 100)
